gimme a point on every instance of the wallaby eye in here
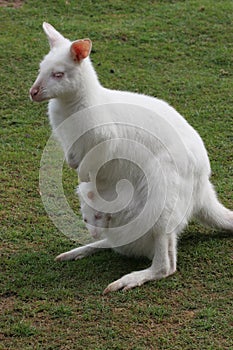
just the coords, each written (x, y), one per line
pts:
(85, 220)
(57, 75)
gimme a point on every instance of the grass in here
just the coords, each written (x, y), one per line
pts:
(180, 51)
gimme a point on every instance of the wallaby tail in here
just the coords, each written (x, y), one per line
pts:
(211, 211)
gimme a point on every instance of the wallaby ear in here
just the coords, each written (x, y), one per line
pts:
(80, 49)
(54, 37)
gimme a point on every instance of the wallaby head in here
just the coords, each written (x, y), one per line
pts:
(60, 71)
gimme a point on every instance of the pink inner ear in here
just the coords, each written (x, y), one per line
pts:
(80, 49)
(90, 195)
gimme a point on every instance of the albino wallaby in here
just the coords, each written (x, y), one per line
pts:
(176, 168)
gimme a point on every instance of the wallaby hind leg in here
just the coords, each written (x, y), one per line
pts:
(163, 265)
(172, 252)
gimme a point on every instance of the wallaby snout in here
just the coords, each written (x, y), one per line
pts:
(33, 92)
(36, 93)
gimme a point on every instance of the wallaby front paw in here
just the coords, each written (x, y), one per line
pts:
(72, 161)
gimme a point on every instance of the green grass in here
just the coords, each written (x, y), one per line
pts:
(180, 51)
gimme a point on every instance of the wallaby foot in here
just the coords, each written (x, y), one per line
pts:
(134, 279)
(163, 265)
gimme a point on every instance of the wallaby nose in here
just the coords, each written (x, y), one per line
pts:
(33, 92)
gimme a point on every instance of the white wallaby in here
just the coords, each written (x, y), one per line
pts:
(177, 165)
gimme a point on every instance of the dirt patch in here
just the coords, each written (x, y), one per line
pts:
(8, 3)
(7, 304)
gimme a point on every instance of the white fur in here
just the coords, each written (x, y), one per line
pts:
(189, 191)
(99, 228)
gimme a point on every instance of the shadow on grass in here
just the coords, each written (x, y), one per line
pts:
(203, 235)
(36, 274)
